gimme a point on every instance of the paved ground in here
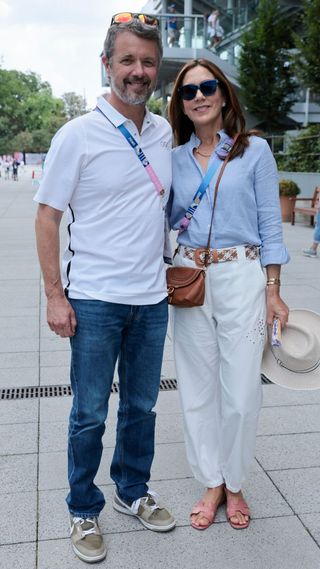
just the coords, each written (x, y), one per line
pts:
(283, 489)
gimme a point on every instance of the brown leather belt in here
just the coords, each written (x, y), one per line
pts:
(217, 255)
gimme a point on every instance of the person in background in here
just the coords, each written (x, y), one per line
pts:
(112, 298)
(218, 346)
(15, 166)
(312, 250)
(172, 27)
(215, 30)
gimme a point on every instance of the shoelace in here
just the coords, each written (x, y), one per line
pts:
(150, 501)
(87, 531)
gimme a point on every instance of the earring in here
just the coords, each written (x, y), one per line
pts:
(223, 104)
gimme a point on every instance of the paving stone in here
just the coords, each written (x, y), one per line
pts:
(56, 358)
(20, 512)
(19, 360)
(278, 452)
(19, 411)
(273, 395)
(18, 556)
(51, 375)
(18, 473)
(300, 488)
(286, 420)
(312, 523)
(281, 540)
(18, 438)
(9, 345)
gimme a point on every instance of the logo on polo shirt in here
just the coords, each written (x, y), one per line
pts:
(165, 143)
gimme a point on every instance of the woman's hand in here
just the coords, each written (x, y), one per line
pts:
(276, 308)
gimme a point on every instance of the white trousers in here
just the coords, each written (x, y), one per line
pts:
(218, 349)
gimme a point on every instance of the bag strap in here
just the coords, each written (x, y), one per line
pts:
(207, 251)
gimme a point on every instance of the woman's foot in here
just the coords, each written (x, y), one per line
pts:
(238, 513)
(204, 512)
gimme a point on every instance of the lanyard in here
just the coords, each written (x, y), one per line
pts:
(221, 153)
(140, 154)
(143, 159)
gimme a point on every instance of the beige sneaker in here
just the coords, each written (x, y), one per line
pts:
(86, 539)
(150, 512)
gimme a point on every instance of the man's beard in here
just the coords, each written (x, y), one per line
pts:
(131, 98)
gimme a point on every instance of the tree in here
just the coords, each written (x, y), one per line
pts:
(265, 76)
(307, 61)
(26, 105)
(155, 106)
(74, 105)
(303, 153)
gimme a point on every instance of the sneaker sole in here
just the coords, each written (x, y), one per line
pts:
(124, 510)
(86, 558)
(310, 255)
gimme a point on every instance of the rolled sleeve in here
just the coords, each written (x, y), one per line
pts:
(273, 250)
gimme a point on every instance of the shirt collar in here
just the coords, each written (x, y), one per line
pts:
(117, 118)
(194, 141)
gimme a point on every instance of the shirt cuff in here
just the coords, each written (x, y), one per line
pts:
(274, 254)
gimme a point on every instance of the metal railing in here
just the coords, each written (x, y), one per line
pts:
(178, 30)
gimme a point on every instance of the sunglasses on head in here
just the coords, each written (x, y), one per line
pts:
(207, 88)
(127, 17)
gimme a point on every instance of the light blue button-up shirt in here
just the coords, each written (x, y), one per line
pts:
(247, 210)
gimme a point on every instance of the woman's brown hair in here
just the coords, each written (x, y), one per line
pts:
(232, 115)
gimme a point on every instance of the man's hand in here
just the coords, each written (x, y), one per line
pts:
(61, 317)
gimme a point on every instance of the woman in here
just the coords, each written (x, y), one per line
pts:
(218, 346)
(215, 30)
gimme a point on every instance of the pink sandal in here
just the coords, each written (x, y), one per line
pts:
(234, 507)
(207, 511)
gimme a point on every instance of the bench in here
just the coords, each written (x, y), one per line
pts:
(310, 210)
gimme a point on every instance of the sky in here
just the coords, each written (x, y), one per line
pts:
(60, 40)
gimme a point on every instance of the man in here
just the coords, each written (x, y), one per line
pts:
(173, 27)
(112, 299)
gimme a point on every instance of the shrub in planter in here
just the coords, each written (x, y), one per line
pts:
(288, 190)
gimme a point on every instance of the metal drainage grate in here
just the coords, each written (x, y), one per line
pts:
(64, 390)
(34, 391)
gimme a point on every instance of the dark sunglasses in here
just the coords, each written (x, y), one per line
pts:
(127, 17)
(207, 88)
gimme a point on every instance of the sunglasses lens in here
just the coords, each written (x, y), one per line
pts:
(122, 18)
(208, 88)
(149, 20)
(188, 92)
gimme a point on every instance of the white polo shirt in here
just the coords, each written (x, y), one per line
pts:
(115, 216)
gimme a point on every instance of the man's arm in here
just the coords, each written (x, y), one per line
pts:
(60, 314)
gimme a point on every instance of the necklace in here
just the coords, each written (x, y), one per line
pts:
(204, 155)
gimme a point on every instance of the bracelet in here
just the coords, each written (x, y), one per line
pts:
(273, 281)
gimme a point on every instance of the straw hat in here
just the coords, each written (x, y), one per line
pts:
(296, 363)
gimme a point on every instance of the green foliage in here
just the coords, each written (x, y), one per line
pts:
(307, 60)
(155, 106)
(265, 76)
(303, 153)
(29, 114)
(288, 188)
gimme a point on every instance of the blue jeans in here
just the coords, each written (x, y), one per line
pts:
(135, 335)
(316, 235)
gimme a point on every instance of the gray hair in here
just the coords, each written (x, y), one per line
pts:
(136, 27)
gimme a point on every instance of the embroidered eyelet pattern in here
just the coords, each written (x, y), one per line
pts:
(256, 336)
